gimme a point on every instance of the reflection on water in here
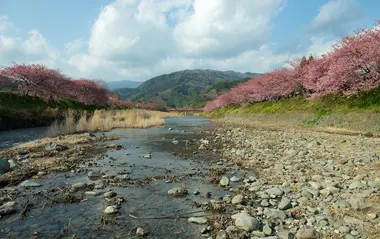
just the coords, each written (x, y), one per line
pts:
(12, 137)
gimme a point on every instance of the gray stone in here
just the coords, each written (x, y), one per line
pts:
(285, 234)
(237, 199)
(354, 233)
(325, 192)
(285, 203)
(110, 194)
(140, 232)
(93, 174)
(355, 185)
(274, 191)
(76, 186)
(222, 235)
(198, 220)
(274, 213)
(344, 229)
(357, 202)
(267, 230)
(235, 179)
(177, 192)
(264, 203)
(224, 182)
(93, 193)
(246, 222)
(29, 183)
(147, 156)
(111, 210)
(307, 234)
(315, 185)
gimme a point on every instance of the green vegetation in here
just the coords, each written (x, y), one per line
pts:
(18, 110)
(366, 102)
(189, 88)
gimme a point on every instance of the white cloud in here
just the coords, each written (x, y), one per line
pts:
(320, 46)
(335, 16)
(74, 46)
(224, 27)
(139, 39)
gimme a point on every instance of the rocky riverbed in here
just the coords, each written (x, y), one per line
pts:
(189, 180)
(308, 184)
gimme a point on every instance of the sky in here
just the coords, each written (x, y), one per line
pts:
(139, 39)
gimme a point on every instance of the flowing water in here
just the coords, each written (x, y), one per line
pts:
(84, 219)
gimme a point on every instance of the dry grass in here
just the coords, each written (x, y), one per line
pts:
(104, 120)
(347, 124)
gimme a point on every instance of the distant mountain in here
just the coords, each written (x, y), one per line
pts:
(113, 85)
(184, 88)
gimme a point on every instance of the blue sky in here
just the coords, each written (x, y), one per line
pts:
(138, 39)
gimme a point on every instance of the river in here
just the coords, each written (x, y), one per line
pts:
(147, 199)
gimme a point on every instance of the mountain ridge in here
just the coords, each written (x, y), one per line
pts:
(182, 88)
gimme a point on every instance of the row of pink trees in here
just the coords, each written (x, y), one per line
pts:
(49, 84)
(351, 67)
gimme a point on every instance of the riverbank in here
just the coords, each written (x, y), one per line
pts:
(359, 113)
(22, 111)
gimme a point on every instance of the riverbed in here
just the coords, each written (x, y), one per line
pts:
(142, 183)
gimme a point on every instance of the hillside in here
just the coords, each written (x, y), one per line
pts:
(113, 85)
(183, 88)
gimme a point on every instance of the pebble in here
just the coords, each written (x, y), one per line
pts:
(111, 210)
(29, 183)
(267, 230)
(307, 234)
(315, 185)
(238, 199)
(196, 192)
(198, 220)
(140, 232)
(177, 192)
(235, 179)
(274, 191)
(284, 204)
(246, 222)
(93, 174)
(93, 193)
(77, 186)
(224, 181)
(110, 194)
(355, 185)
(344, 229)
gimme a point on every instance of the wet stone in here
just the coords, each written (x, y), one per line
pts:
(224, 182)
(111, 210)
(110, 194)
(274, 191)
(246, 222)
(29, 183)
(140, 232)
(198, 220)
(235, 179)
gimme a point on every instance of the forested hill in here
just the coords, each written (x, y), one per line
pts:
(188, 88)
